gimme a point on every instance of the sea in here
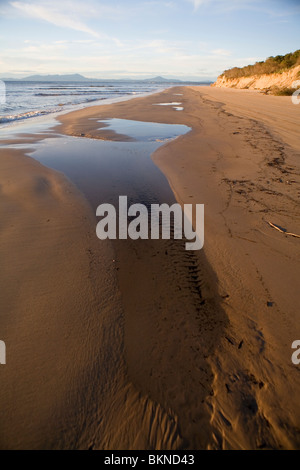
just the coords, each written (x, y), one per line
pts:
(27, 99)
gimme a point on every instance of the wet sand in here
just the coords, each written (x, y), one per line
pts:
(191, 354)
(171, 314)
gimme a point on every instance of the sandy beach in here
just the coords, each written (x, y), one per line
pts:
(142, 345)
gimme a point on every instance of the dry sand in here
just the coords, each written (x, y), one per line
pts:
(76, 381)
(64, 385)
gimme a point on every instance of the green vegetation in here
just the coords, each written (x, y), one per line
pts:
(282, 91)
(277, 64)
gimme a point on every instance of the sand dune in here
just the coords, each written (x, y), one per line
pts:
(261, 82)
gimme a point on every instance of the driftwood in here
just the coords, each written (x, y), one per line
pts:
(283, 231)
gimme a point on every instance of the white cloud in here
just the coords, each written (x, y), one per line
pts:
(221, 52)
(105, 64)
(55, 13)
(227, 5)
(159, 3)
(198, 3)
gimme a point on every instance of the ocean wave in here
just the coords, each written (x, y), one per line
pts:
(51, 94)
(82, 93)
(30, 100)
(30, 114)
(18, 117)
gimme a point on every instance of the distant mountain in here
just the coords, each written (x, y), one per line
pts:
(161, 80)
(75, 77)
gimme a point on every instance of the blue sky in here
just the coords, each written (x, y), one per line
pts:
(188, 39)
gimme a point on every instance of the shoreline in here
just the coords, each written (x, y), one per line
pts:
(52, 115)
(217, 164)
(256, 267)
